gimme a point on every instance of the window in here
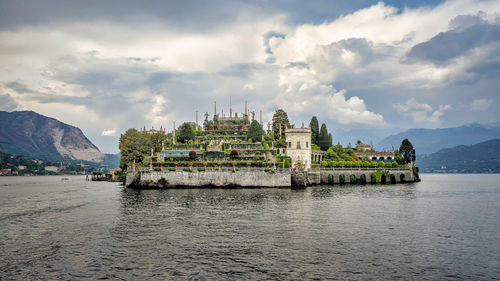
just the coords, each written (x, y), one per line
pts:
(298, 145)
(289, 144)
(307, 144)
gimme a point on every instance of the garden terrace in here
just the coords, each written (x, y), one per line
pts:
(212, 164)
(186, 146)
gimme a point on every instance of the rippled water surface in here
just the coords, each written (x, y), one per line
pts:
(445, 227)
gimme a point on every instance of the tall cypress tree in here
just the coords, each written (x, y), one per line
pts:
(256, 132)
(324, 139)
(407, 151)
(185, 133)
(280, 118)
(314, 125)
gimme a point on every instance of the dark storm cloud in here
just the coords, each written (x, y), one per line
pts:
(462, 22)
(179, 14)
(19, 88)
(452, 44)
(185, 15)
(7, 103)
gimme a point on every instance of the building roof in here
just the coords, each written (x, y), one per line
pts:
(363, 145)
(298, 130)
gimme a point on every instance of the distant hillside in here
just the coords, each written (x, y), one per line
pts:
(31, 134)
(111, 161)
(428, 141)
(479, 158)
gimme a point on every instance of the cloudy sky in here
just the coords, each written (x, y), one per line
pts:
(106, 66)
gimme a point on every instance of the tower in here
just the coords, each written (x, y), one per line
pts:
(298, 143)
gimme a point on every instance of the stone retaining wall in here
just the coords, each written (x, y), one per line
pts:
(258, 177)
(224, 178)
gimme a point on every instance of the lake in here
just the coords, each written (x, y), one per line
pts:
(446, 227)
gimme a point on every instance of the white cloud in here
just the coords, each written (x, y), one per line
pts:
(164, 75)
(481, 104)
(108, 133)
(421, 112)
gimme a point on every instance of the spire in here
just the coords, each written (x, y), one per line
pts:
(196, 120)
(261, 117)
(173, 134)
(215, 108)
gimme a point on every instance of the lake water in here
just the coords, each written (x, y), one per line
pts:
(445, 227)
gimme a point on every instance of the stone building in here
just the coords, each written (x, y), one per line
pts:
(298, 142)
(363, 147)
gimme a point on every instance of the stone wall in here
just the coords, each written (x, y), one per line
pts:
(222, 178)
(324, 175)
(259, 177)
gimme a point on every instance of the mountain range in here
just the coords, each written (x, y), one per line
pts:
(426, 141)
(483, 157)
(31, 134)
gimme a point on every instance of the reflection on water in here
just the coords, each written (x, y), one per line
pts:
(445, 227)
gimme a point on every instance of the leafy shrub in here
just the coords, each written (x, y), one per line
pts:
(330, 179)
(352, 179)
(192, 154)
(172, 169)
(157, 169)
(201, 169)
(342, 179)
(187, 170)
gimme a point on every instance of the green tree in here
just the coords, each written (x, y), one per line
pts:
(280, 118)
(314, 125)
(185, 133)
(407, 152)
(398, 158)
(157, 139)
(255, 132)
(324, 139)
(133, 145)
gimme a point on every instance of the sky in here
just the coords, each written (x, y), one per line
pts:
(359, 66)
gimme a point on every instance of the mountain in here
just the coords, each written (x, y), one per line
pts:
(479, 158)
(427, 141)
(31, 134)
(365, 135)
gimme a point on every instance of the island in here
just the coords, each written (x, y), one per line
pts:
(236, 151)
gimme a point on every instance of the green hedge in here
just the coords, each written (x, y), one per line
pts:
(356, 164)
(213, 164)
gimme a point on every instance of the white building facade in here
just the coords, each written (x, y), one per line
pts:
(298, 147)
